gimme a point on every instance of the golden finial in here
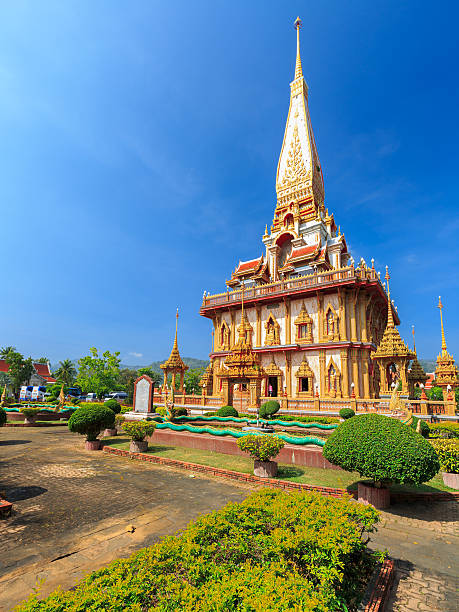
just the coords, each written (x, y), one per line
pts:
(298, 69)
(176, 326)
(390, 318)
(443, 341)
(414, 341)
(266, 230)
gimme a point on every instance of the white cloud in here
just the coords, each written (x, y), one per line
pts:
(134, 354)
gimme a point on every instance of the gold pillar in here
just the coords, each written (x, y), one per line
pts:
(258, 328)
(353, 298)
(165, 378)
(322, 366)
(233, 330)
(366, 376)
(173, 379)
(345, 372)
(342, 315)
(288, 325)
(355, 373)
(363, 319)
(320, 317)
(288, 375)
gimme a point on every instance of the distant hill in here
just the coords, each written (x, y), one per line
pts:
(428, 365)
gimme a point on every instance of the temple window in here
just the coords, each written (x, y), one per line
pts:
(303, 324)
(305, 378)
(333, 380)
(331, 330)
(304, 385)
(272, 328)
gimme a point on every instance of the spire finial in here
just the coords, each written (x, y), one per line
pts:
(298, 69)
(414, 341)
(176, 326)
(390, 318)
(443, 341)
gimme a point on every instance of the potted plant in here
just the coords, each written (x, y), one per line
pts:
(383, 449)
(30, 414)
(90, 420)
(138, 431)
(262, 448)
(448, 455)
(116, 407)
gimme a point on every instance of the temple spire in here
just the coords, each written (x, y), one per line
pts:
(414, 341)
(443, 341)
(298, 67)
(390, 317)
(176, 327)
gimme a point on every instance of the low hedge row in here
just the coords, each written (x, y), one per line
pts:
(448, 454)
(444, 430)
(274, 551)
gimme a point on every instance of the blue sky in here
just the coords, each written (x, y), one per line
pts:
(139, 144)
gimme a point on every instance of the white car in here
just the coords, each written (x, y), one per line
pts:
(90, 397)
(119, 396)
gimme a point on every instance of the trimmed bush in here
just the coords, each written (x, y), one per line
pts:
(113, 405)
(227, 411)
(304, 419)
(382, 448)
(269, 408)
(29, 411)
(119, 419)
(160, 410)
(138, 430)
(2, 417)
(262, 447)
(179, 412)
(273, 552)
(90, 420)
(346, 413)
(52, 399)
(448, 454)
(444, 430)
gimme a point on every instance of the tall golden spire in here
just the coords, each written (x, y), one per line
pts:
(298, 67)
(443, 341)
(414, 341)
(390, 318)
(176, 327)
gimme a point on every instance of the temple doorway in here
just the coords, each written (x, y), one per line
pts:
(273, 386)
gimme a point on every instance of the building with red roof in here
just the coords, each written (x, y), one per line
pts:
(41, 376)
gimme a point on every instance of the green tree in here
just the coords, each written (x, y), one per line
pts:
(66, 372)
(42, 360)
(435, 393)
(98, 373)
(155, 376)
(192, 379)
(20, 370)
(126, 381)
(5, 350)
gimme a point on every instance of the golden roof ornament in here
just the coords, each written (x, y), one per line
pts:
(175, 362)
(446, 372)
(298, 68)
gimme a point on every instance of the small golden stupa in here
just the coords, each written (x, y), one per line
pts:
(392, 355)
(416, 374)
(446, 373)
(175, 364)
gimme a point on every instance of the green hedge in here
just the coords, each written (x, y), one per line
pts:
(113, 405)
(227, 411)
(2, 417)
(444, 430)
(382, 448)
(90, 419)
(273, 552)
(448, 454)
(346, 413)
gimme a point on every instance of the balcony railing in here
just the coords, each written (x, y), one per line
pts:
(308, 281)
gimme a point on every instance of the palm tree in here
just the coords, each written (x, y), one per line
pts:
(66, 372)
(5, 350)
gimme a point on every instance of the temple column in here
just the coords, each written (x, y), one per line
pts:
(322, 366)
(366, 376)
(363, 319)
(173, 379)
(345, 372)
(355, 373)
(182, 378)
(320, 316)
(353, 298)
(288, 330)
(288, 375)
(233, 330)
(342, 315)
(258, 328)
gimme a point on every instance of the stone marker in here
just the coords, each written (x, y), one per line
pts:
(143, 394)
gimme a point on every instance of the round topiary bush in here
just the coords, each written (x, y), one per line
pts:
(227, 411)
(448, 454)
(90, 420)
(113, 405)
(138, 430)
(346, 413)
(2, 417)
(269, 408)
(382, 448)
(261, 448)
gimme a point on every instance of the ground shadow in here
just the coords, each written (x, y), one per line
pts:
(12, 442)
(289, 471)
(15, 494)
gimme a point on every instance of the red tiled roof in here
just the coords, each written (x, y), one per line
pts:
(4, 367)
(248, 266)
(42, 369)
(303, 251)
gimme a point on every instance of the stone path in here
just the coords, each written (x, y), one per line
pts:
(75, 511)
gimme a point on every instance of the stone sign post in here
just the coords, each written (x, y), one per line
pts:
(143, 394)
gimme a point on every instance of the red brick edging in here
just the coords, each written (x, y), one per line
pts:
(378, 597)
(5, 508)
(274, 482)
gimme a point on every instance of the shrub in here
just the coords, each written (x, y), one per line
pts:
(113, 405)
(303, 419)
(179, 412)
(381, 448)
(125, 409)
(51, 400)
(424, 429)
(227, 411)
(161, 410)
(2, 417)
(346, 413)
(90, 419)
(29, 411)
(444, 430)
(138, 430)
(119, 419)
(273, 552)
(269, 408)
(209, 414)
(262, 447)
(448, 454)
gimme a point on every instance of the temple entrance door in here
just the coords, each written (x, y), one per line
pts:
(273, 386)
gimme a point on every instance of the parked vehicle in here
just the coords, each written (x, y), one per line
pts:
(25, 393)
(74, 392)
(90, 397)
(119, 396)
(38, 393)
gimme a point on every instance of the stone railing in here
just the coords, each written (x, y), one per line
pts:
(308, 281)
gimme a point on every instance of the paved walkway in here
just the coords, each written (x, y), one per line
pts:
(76, 511)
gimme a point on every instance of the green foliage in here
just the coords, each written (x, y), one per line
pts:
(66, 372)
(2, 417)
(381, 448)
(98, 373)
(424, 427)
(6, 350)
(303, 419)
(155, 376)
(29, 411)
(444, 430)
(160, 410)
(227, 411)
(90, 419)
(346, 413)
(435, 393)
(262, 447)
(126, 379)
(176, 412)
(269, 408)
(113, 405)
(119, 419)
(125, 409)
(273, 552)
(20, 370)
(52, 399)
(192, 379)
(138, 430)
(448, 454)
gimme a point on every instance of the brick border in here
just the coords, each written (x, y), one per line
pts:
(273, 482)
(381, 587)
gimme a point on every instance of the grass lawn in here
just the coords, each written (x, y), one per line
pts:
(295, 473)
(42, 423)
